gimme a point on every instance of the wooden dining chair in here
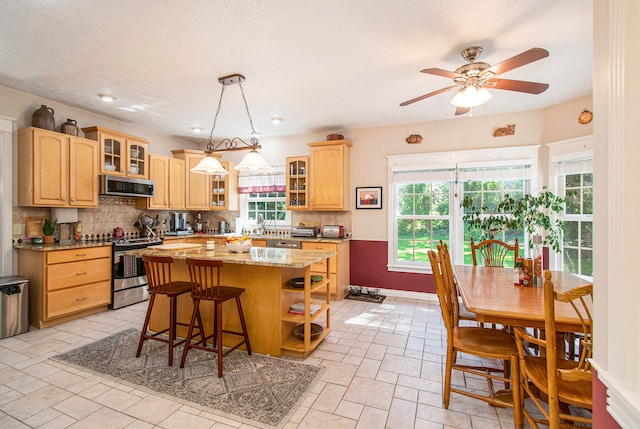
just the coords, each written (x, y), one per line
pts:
(493, 253)
(551, 377)
(481, 342)
(459, 311)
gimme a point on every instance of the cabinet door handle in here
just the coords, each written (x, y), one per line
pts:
(63, 199)
(84, 273)
(81, 254)
(73, 200)
(81, 299)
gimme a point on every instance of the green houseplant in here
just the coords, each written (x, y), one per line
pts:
(48, 228)
(536, 214)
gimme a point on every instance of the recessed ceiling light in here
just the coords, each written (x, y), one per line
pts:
(128, 109)
(276, 120)
(107, 98)
(196, 130)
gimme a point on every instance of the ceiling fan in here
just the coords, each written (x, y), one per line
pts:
(473, 79)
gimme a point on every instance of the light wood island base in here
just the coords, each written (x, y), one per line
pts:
(266, 300)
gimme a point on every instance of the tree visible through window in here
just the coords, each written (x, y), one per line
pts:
(271, 205)
(578, 223)
(423, 219)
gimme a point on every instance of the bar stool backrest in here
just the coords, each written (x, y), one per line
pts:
(205, 277)
(158, 271)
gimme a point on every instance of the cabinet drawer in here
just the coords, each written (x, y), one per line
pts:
(62, 302)
(329, 247)
(73, 255)
(61, 276)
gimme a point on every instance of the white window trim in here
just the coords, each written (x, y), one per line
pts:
(439, 160)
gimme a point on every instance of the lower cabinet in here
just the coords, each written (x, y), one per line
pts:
(66, 284)
(338, 265)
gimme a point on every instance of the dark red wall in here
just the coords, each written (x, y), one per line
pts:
(601, 418)
(369, 268)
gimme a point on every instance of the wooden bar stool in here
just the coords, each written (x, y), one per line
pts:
(205, 285)
(158, 271)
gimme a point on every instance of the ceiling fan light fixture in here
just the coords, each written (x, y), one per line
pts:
(471, 96)
(254, 162)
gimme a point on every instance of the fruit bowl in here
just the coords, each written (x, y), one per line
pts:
(239, 246)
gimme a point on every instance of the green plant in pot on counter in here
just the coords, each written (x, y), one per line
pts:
(535, 214)
(48, 228)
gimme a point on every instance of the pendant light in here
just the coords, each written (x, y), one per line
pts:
(253, 161)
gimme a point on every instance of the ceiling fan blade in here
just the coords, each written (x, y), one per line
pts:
(441, 72)
(431, 94)
(533, 54)
(462, 110)
(517, 85)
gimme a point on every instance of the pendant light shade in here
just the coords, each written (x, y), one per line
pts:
(254, 162)
(209, 165)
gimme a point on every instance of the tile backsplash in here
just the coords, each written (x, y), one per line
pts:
(121, 212)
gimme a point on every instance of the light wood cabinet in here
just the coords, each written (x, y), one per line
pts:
(289, 321)
(168, 177)
(56, 170)
(338, 265)
(66, 284)
(196, 185)
(297, 183)
(120, 154)
(329, 169)
(224, 189)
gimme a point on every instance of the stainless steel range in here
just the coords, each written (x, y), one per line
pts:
(129, 282)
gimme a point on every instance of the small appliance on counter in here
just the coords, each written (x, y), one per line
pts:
(304, 231)
(177, 221)
(198, 222)
(333, 231)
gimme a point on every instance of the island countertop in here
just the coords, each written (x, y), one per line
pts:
(263, 256)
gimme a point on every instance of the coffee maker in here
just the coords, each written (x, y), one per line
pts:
(177, 221)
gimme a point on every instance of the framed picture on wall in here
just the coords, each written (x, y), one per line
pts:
(369, 198)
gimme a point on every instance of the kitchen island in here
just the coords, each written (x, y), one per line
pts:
(265, 274)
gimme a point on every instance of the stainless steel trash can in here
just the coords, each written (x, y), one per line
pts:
(14, 306)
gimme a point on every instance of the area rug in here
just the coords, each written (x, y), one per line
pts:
(258, 389)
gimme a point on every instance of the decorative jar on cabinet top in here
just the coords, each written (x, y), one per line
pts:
(43, 118)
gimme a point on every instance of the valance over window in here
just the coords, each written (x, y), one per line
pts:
(249, 183)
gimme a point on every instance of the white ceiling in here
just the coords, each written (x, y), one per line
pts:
(323, 66)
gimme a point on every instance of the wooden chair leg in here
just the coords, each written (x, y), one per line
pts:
(195, 314)
(244, 325)
(446, 394)
(218, 335)
(145, 325)
(172, 327)
(518, 401)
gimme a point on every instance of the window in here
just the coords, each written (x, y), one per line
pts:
(574, 181)
(263, 194)
(426, 193)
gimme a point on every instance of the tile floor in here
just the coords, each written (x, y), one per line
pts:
(383, 365)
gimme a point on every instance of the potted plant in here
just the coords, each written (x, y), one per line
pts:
(48, 228)
(536, 214)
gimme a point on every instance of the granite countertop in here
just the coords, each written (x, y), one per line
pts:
(270, 257)
(261, 237)
(56, 246)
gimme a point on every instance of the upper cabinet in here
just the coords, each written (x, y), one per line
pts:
(56, 170)
(196, 185)
(329, 175)
(168, 178)
(120, 154)
(224, 189)
(297, 169)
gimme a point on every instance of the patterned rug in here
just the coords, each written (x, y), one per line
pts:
(259, 389)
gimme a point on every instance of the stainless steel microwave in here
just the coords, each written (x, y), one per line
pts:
(125, 186)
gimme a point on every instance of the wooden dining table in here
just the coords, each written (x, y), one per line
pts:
(489, 292)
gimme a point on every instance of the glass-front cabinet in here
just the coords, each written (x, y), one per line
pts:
(297, 184)
(120, 154)
(224, 189)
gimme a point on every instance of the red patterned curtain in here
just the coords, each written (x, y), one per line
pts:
(261, 182)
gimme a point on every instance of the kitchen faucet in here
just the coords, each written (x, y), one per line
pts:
(262, 227)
